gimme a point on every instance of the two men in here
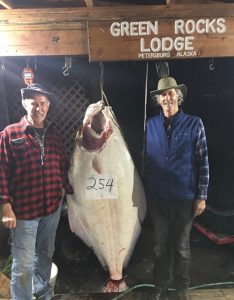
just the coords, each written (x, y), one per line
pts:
(33, 177)
(177, 176)
(33, 180)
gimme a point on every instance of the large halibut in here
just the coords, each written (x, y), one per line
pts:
(108, 204)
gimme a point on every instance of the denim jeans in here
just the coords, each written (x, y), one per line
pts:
(32, 248)
(172, 224)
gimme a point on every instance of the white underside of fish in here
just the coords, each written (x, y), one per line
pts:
(108, 204)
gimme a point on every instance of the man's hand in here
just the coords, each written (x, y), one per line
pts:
(199, 207)
(8, 216)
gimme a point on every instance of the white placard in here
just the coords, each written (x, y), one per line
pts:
(101, 186)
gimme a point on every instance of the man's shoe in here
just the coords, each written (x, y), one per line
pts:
(158, 293)
(182, 295)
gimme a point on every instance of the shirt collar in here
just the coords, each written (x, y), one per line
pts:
(25, 124)
(173, 119)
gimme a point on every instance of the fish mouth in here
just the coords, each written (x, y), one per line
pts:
(96, 131)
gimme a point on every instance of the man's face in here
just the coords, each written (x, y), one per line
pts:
(37, 107)
(169, 102)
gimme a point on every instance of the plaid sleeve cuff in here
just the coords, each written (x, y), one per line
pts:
(202, 194)
(5, 199)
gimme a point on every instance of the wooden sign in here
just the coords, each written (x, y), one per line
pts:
(158, 39)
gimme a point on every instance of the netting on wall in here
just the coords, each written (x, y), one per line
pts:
(69, 111)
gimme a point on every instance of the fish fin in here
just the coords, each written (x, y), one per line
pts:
(76, 223)
(135, 235)
(114, 286)
(78, 227)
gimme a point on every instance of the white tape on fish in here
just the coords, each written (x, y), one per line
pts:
(104, 186)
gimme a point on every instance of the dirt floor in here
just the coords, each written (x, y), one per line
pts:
(80, 273)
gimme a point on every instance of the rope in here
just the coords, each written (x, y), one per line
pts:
(103, 95)
(144, 134)
(105, 101)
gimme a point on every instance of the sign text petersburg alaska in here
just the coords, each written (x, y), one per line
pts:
(161, 39)
(182, 42)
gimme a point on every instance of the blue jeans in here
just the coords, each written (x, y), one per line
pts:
(32, 248)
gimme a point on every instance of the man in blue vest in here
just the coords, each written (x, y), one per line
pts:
(177, 176)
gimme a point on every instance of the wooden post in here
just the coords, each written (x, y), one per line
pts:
(4, 286)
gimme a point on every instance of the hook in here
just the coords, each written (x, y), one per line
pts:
(3, 68)
(67, 65)
(211, 64)
(66, 71)
(162, 69)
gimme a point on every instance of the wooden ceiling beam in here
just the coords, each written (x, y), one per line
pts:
(34, 4)
(101, 3)
(117, 13)
(7, 4)
(169, 2)
(63, 31)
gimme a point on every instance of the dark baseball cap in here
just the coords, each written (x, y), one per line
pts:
(37, 89)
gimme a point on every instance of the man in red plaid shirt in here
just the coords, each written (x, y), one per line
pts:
(33, 181)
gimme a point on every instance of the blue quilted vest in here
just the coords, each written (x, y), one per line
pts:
(171, 164)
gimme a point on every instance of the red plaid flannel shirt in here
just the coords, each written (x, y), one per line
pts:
(34, 187)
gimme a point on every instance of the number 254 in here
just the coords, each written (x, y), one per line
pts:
(100, 183)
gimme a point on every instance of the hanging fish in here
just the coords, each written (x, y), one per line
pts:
(108, 204)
